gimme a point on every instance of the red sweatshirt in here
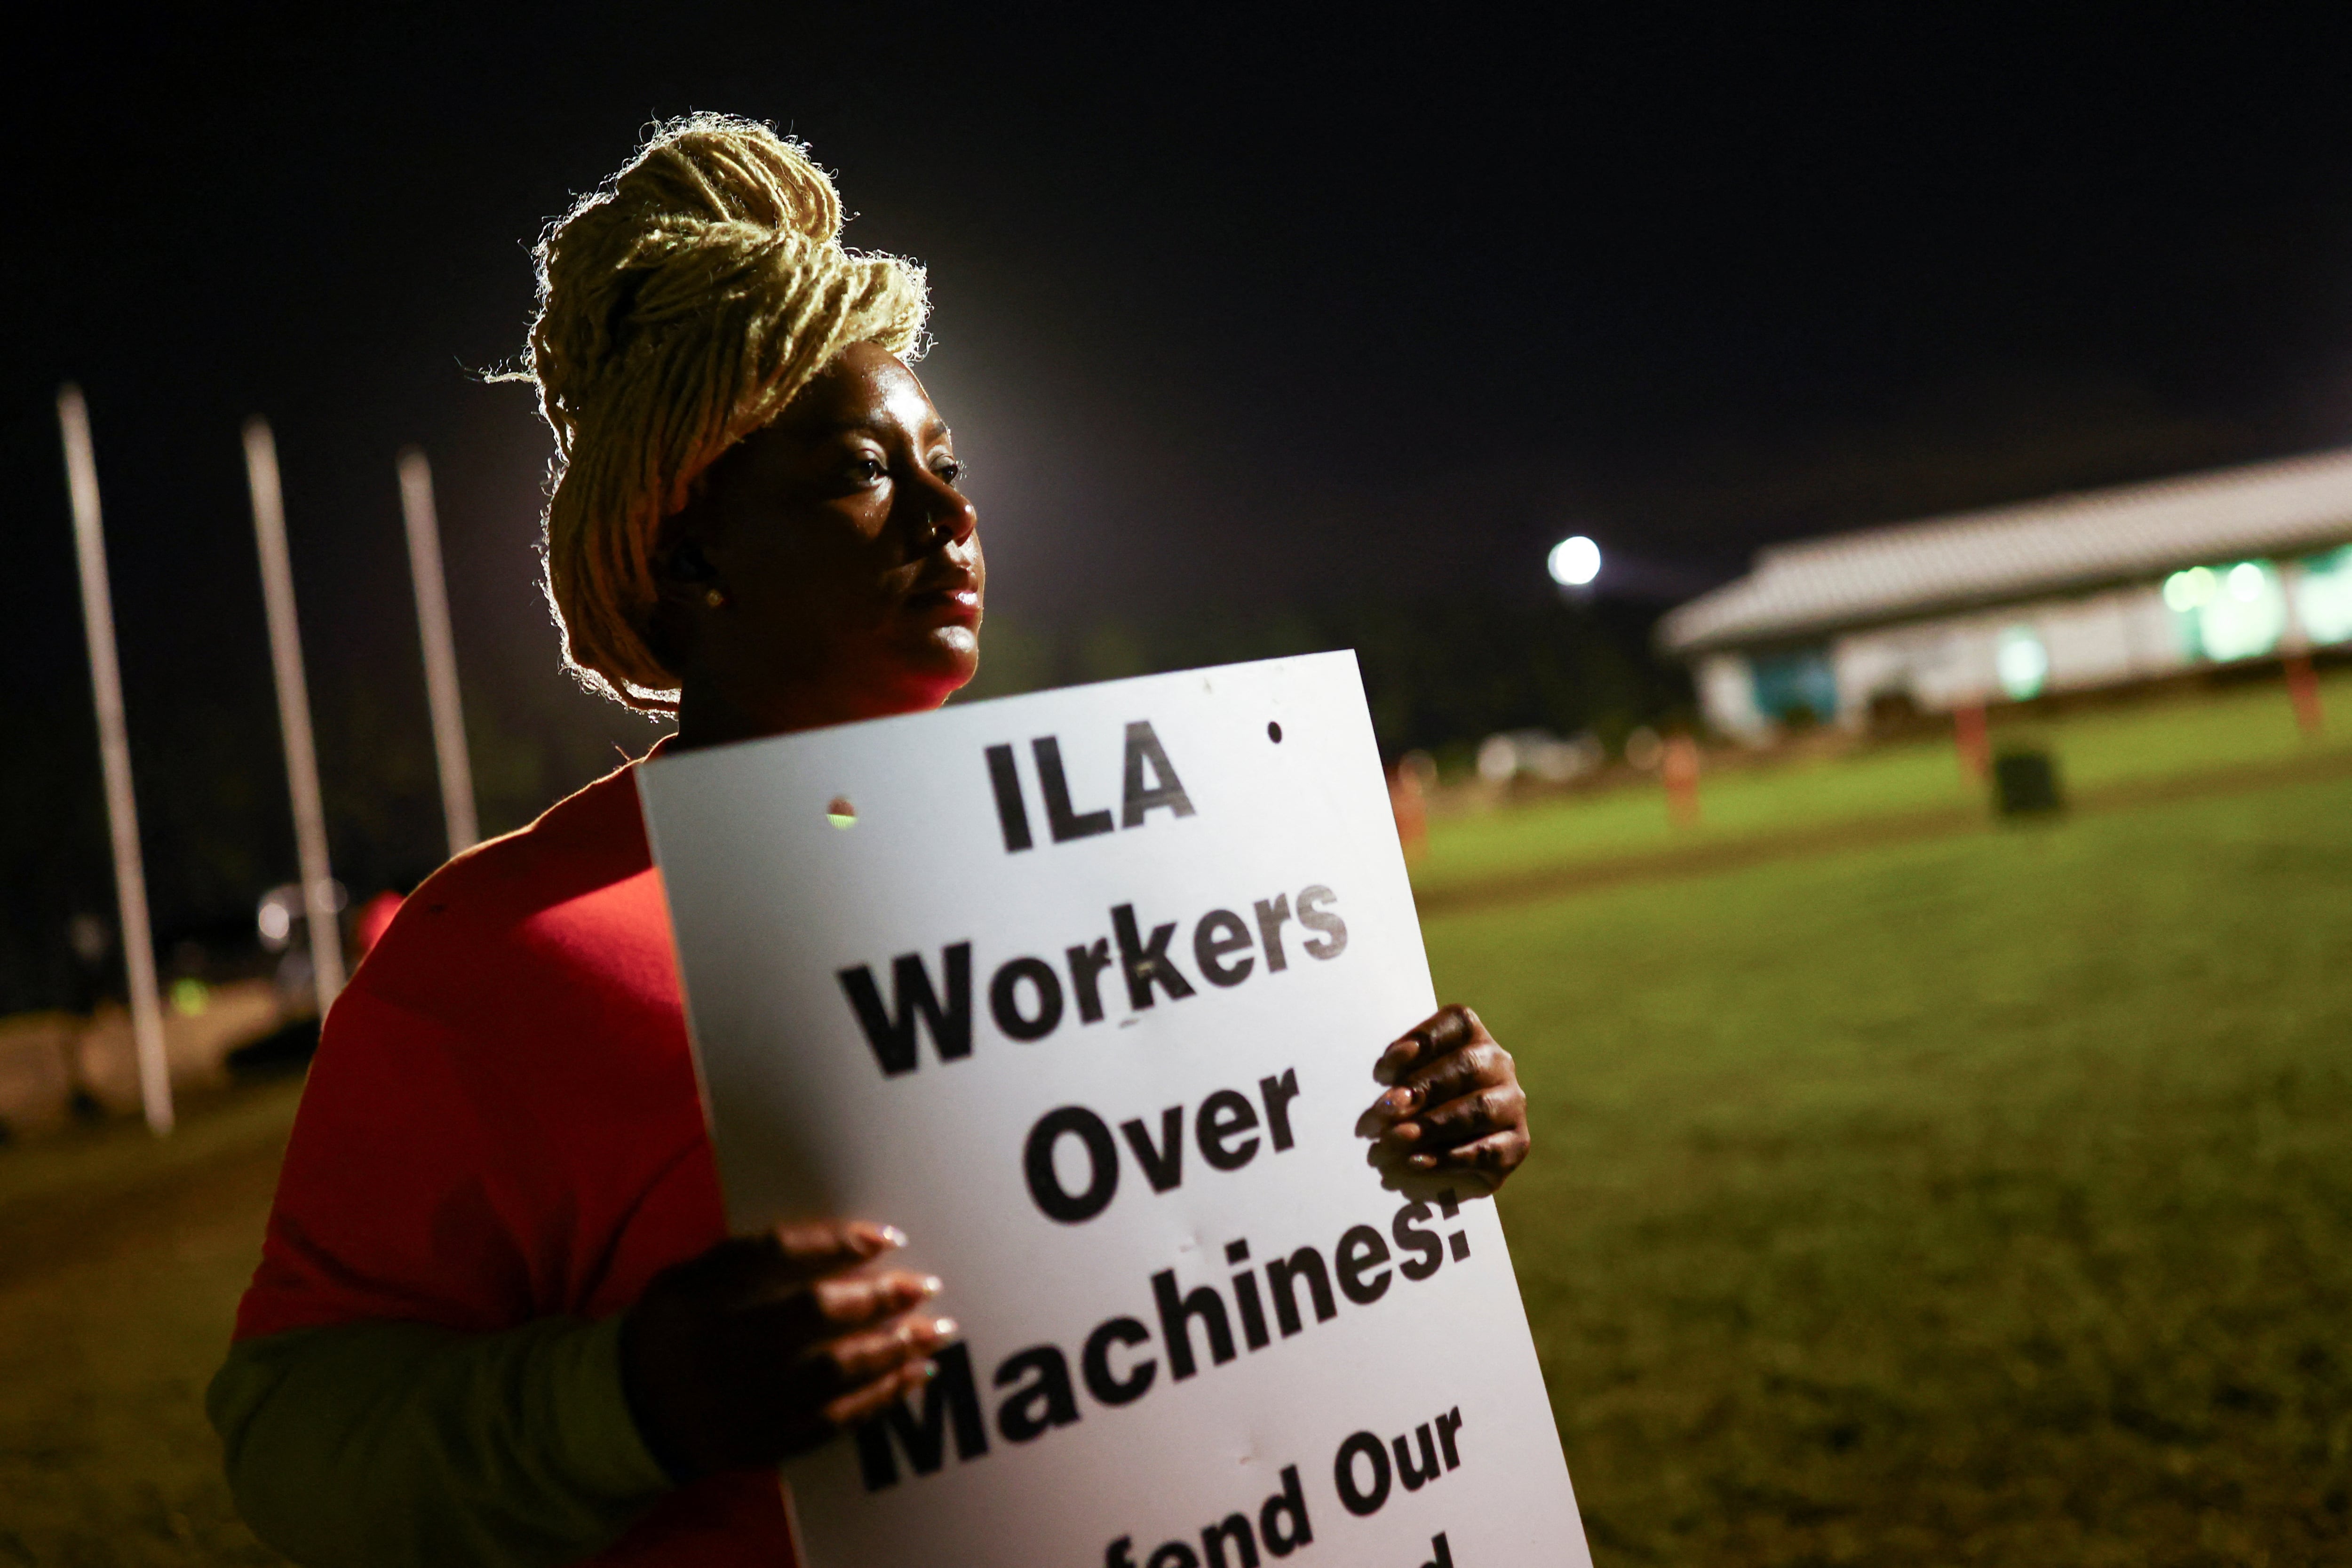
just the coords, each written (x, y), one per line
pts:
(502, 1127)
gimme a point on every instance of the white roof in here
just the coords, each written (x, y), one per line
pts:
(2067, 541)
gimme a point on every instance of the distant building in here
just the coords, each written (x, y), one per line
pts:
(2064, 594)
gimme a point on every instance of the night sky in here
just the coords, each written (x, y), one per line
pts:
(1238, 313)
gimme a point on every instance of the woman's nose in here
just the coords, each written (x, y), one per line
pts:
(947, 512)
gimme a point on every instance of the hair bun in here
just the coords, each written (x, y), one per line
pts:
(681, 306)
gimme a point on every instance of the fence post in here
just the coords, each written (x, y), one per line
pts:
(1678, 768)
(1968, 734)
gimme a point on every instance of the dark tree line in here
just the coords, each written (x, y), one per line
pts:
(218, 829)
(1440, 675)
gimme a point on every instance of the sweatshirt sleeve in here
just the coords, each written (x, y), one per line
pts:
(387, 1444)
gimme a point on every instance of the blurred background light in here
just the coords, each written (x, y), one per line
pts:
(2188, 590)
(2245, 619)
(2022, 663)
(2323, 597)
(1538, 753)
(1574, 562)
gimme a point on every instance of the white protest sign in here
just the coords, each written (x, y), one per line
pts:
(1085, 999)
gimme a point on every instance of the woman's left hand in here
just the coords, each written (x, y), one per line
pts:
(1455, 1105)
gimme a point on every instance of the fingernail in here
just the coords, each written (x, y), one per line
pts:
(1404, 1099)
(892, 1236)
(944, 1328)
(927, 1371)
(1422, 1161)
(933, 1285)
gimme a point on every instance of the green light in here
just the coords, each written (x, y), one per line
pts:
(2022, 663)
(2190, 590)
(2325, 597)
(190, 996)
(2247, 617)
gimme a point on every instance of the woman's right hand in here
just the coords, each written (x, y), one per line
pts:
(767, 1345)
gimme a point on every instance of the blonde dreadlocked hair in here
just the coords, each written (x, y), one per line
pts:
(681, 306)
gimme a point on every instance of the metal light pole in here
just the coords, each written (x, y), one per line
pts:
(440, 651)
(114, 756)
(294, 712)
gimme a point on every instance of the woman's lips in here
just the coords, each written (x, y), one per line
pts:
(948, 604)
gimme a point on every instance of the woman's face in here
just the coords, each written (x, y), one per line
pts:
(846, 562)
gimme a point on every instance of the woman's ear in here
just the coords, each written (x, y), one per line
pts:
(685, 583)
(683, 574)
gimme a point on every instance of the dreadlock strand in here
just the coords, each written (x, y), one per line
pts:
(682, 306)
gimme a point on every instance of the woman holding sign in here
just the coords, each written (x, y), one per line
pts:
(498, 1319)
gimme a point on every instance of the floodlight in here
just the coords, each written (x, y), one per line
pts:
(1574, 562)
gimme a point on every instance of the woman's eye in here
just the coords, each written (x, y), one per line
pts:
(865, 470)
(948, 468)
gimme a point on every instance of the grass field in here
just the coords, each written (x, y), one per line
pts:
(1983, 1197)
(1983, 1201)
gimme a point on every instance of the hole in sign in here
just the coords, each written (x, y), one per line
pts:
(1274, 732)
(840, 813)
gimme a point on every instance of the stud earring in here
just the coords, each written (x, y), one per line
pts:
(713, 598)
